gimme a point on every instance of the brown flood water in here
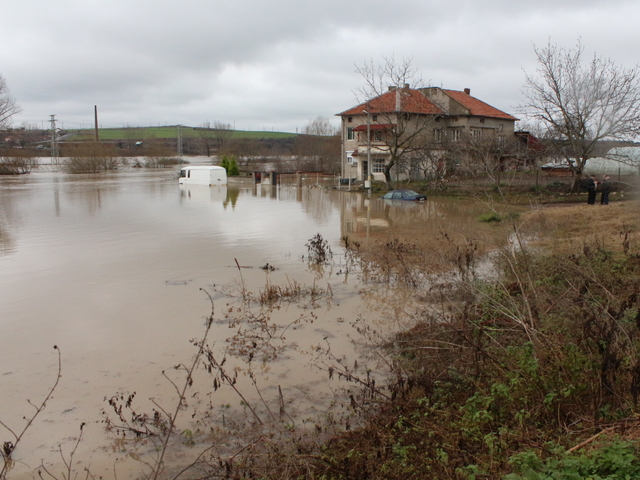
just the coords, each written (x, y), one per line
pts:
(110, 268)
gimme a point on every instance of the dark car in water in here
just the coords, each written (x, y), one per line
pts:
(404, 195)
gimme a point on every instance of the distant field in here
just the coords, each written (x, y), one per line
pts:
(142, 133)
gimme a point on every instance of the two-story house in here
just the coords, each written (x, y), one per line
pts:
(391, 130)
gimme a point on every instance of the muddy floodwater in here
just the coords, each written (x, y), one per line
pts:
(111, 269)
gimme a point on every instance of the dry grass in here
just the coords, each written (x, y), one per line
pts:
(564, 226)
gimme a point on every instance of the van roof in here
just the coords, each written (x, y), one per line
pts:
(203, 167)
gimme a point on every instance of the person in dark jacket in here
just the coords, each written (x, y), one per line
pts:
(592, 185)
(605, 189)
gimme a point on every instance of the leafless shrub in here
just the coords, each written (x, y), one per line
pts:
(90, 158)
(16, 164)
(162, 161)
(392, 262)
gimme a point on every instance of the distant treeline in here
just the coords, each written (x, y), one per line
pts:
(308, 152)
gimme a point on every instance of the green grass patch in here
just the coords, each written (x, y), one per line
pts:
(144, 133)
(494, 217)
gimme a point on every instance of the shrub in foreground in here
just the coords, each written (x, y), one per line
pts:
(548, 354)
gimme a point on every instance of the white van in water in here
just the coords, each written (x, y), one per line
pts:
(203, 175)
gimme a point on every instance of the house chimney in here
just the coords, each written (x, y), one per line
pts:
(392, 88)
(467, 91)
(406, 86)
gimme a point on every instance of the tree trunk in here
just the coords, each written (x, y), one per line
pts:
(387, 173)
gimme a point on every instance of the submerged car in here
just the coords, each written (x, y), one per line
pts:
(404, 195)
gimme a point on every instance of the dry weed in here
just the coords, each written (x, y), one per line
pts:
(564, 227)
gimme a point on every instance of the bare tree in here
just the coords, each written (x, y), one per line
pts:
(378, 77)
(320, 126)
(8, 105)
(486, 156)
(205, 134)
(214, 136)
(317, 153)
(408, 117)
(427, 162)
(581, 103)
(222, 133)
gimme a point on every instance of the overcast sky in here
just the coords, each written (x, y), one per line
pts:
(278, 64)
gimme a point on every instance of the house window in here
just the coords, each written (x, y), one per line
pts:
(376, 136)
(349, 158)
(377, 165)
(454, 134)
(502, 140)
(437, 135)
(350, 134)
(476, 133)
(349, 119)
(375, 118)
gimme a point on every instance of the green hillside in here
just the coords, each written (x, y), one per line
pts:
(141, 133)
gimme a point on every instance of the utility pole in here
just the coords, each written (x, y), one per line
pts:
(367, 183)
(95, 114)
(54, 141)
(179, 140)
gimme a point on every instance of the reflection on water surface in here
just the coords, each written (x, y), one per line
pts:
(110, 268)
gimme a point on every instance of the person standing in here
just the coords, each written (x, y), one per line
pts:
(592, 185)
(605, 190)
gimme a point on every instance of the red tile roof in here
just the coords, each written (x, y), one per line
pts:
(477, 107)
(412, 101)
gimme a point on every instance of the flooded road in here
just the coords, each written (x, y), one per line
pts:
(110, 269)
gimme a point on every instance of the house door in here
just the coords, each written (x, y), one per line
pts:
(365, 170)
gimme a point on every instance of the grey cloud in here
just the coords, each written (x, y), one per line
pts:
(275, 63)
